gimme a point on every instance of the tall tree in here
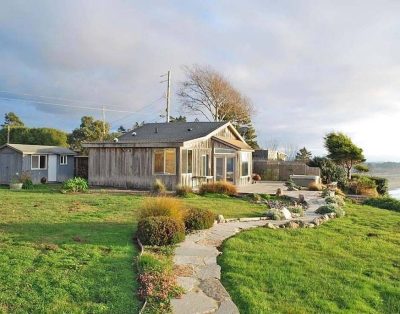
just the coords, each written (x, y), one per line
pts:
(343, 151)
(89, 130)
(121, 129)
(177, 119)
(303, 155)
(12, 120)
(248, 132)
(207, 93)
(34, 136)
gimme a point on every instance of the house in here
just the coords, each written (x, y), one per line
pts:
(54, 163)
(186, 153)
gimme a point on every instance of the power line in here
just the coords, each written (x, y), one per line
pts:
(69, 106)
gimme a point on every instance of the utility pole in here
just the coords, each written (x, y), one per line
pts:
(168, 94)
(8, 134)
(104, 123)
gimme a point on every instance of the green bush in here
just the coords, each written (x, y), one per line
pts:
(219, 187)
(159, 187)
(160, 230)
(335, 200)
(382, 185)
(161, 206)
(149, 262)
(297, 210)
(384, 202)
(274, 214)
(330, 208)
(183, 190)
(198, 219)
(363, 185)
(76, 185)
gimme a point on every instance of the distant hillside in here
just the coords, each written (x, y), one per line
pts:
(389, 170)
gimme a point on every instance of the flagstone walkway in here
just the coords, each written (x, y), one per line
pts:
(198, 271)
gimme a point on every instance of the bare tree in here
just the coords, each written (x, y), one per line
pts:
(207, 93)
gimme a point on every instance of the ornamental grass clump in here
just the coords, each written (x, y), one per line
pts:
(159, 187)
(183, 190)
(162, 206)
(314, 186)
(274, 214)
(335, 200)
(198, 219)
(219, 187)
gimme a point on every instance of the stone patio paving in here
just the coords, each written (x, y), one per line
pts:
(196, 258)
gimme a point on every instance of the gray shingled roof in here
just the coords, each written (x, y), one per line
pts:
(170, 132)
(41, 149)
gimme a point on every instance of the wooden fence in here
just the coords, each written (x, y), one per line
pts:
(274, 170)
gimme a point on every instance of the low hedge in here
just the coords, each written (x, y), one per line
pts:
(384, 202)
(198, 219)
(160, 230)
(75, 185)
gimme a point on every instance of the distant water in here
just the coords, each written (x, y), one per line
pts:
(395, 193)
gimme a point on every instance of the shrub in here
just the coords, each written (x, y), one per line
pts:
(162, 206)
(335, 200)
(219, 187)
(363, 186)
(160, 230)
(382, 185)
(198, 219)
(159, 187)
(183, 190)
(76, 185)
(297, 210)
(384, 202)
(254, 197)
(274, 214)
(314, 186)
(330, 208)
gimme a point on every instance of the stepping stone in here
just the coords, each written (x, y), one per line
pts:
(227, 307)
(213, 288)
(187, 283)
(184, 260)
(208, 271)
(194, 303)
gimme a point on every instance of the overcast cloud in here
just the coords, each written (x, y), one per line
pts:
(309, 66)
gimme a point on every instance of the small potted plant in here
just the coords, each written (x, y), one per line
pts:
(256, 177)
(16, 183)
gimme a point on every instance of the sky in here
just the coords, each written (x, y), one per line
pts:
(309, 67)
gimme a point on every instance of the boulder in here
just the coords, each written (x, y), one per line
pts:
(326, 217)
(286, 213)
(221, 219)
(316, 221)
(292, 225)
(332, 215)
(270, 226)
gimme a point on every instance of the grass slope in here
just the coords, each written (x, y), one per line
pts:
(73, 253)
(348, 265)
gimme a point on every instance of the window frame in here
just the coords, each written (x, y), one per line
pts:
(205, 165)
(65, 162)
(39, 157)
(185, 161)
(164, 161)
(247, 161)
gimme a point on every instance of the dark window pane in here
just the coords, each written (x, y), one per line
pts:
(189, 161)
(43, 162)
(170, 161)
(159, 161)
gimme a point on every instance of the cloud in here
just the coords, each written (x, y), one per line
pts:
(309, 67)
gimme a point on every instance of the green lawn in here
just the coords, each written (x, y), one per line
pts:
(73, 253)
(347, 265)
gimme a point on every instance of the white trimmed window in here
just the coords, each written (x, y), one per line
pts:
(38, 162)
(165, 161)
(63, 160)
(204, 170)
(245, 164)
(187, 161)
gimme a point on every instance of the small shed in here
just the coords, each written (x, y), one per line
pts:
(54, 163)
(185, 153)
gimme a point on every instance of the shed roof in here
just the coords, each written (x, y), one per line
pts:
(233, 142)
(40, 149)
(170, 132)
